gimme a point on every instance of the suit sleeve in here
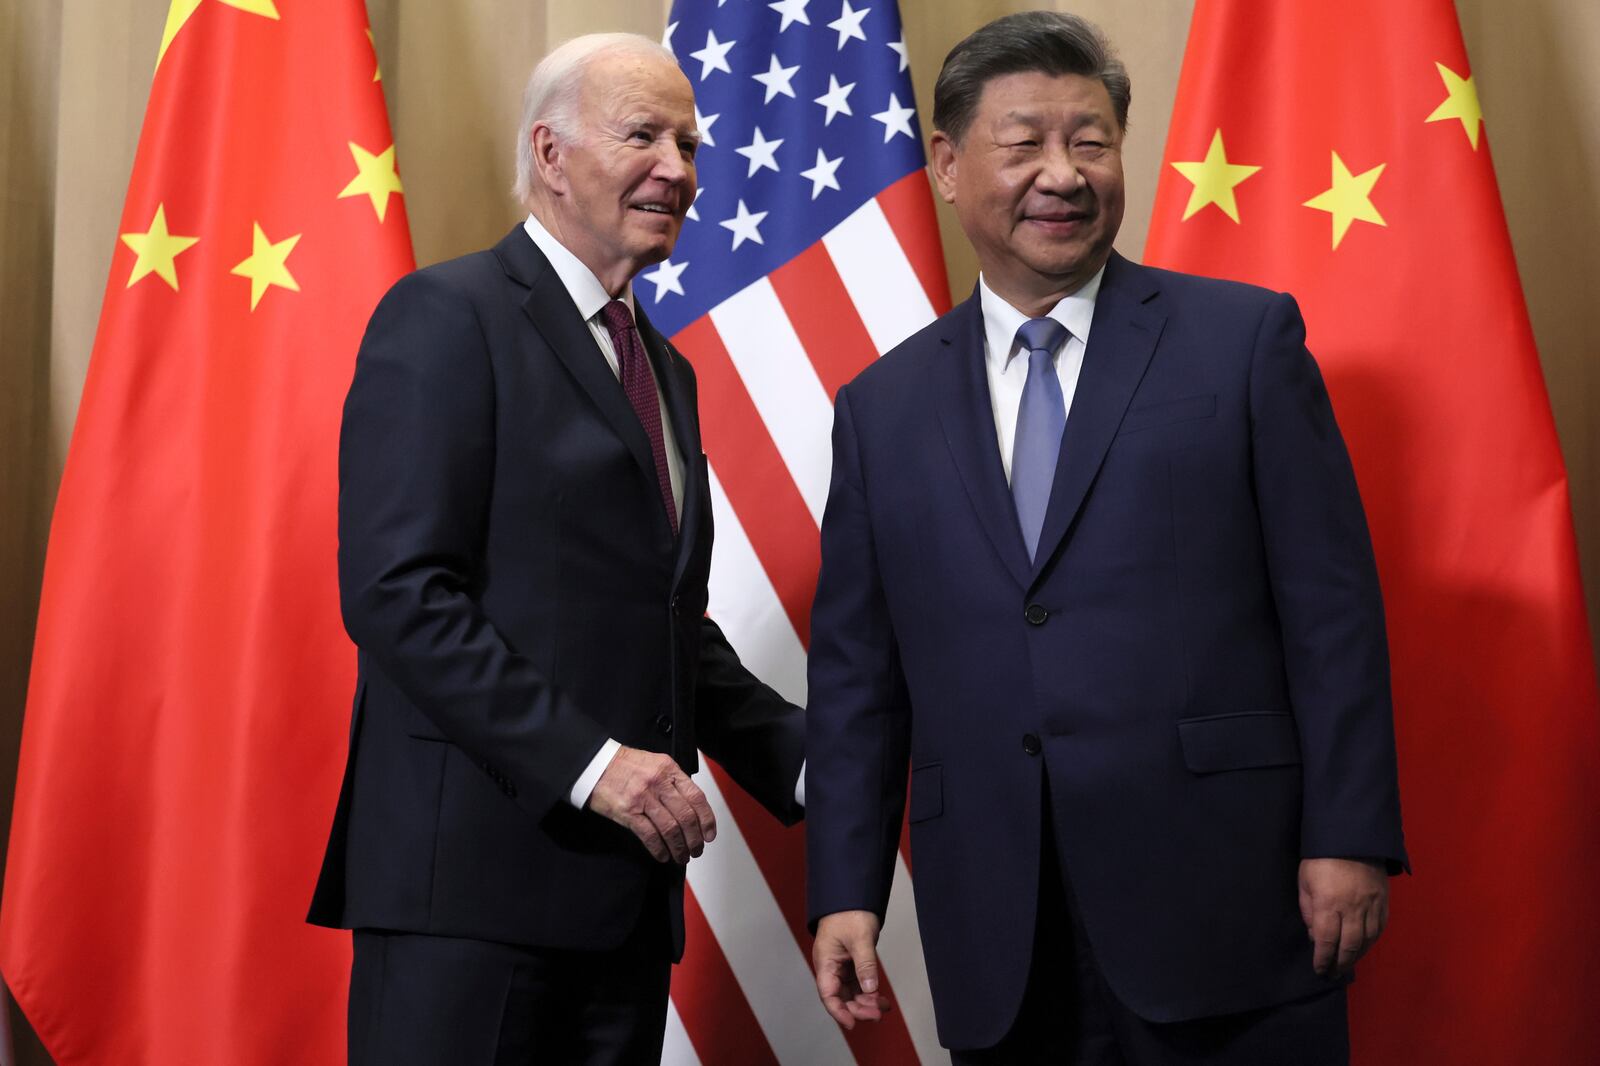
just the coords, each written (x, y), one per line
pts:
(416, 469)
(1330, 611)
(858, 723)
(753, 733)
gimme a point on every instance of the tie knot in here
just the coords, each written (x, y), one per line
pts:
(617, 318)
(1041, 335)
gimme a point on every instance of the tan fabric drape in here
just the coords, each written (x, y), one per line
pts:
(74, 75)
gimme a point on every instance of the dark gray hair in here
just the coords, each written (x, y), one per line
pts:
(1050, 42)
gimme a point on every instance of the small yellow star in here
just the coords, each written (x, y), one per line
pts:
(1214, 179)
(268, 265)
(1461, 103)
(377, 70)
(1350, 198)
(179, 13)
(375, 176)
(157, 249)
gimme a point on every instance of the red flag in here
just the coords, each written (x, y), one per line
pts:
(1336, 151)
(188, 707)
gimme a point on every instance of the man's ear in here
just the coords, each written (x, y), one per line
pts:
(549, 159)
(942, 152)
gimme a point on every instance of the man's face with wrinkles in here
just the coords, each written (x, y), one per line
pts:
(1037, 181)
(630, 167)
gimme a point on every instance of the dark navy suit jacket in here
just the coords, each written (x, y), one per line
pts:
(1196, 659)
(509, 576)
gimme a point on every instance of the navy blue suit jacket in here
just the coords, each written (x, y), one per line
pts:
(509, 576)
(1196, 658)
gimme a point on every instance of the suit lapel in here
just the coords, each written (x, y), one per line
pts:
(556, 318)
(1121, 341)
(966, 414)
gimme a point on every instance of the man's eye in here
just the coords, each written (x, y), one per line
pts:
(1025, 144)
(687, 148)
(642, 136)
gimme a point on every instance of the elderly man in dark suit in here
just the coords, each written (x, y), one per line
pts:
(1095, 569)
(525, 534)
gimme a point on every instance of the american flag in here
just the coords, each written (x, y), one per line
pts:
(811, 248)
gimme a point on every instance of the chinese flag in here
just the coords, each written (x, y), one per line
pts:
(187, 713)
(1336, 151)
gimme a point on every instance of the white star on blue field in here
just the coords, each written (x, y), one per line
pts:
(805, 112)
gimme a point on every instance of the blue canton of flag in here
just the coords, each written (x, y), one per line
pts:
(805, 112)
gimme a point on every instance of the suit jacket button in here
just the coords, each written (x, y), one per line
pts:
(664, 725)
(1030, 743)
(677, 603)
(1035, 614)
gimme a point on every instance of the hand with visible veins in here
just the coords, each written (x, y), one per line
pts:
(649, 794)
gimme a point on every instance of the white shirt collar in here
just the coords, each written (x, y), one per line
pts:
(1001, 321)
(579, 281)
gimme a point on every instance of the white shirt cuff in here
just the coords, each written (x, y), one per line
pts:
(800, 786)
(591, 776)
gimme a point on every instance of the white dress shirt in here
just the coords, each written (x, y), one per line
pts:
(591, 297)
(1007, 374)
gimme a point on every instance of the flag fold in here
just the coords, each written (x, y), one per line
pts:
(1338, 152)
(188, 705)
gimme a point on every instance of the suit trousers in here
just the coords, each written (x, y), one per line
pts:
(1070, 1017)
(418, 1000)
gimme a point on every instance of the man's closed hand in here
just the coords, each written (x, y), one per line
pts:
(845, 958)
(1345, 905)
(649, 794)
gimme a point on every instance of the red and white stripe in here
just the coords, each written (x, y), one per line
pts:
(770, 360)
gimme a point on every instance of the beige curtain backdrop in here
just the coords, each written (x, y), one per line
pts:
(74, 75)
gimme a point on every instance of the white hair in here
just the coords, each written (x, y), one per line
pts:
(551, 95)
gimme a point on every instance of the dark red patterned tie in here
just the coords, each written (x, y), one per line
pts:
(640, 386)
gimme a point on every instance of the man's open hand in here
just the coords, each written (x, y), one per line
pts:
(1345, 905)
(649, 794)
(845, 958)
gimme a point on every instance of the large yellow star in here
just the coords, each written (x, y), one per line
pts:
(1214, 178)
(268, 265)
(1350, 199)
(1461, 103)
(179, 13)
(157, 249)
(375, 176)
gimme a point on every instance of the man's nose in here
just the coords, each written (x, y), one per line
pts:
(670, 162)
(1059, 173)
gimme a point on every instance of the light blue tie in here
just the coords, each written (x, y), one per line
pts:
(1041, 418)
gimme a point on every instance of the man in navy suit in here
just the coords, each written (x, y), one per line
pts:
(1095, 571)
(524, 539)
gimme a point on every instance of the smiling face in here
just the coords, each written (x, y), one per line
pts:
(621, 182)
(1036, 181)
